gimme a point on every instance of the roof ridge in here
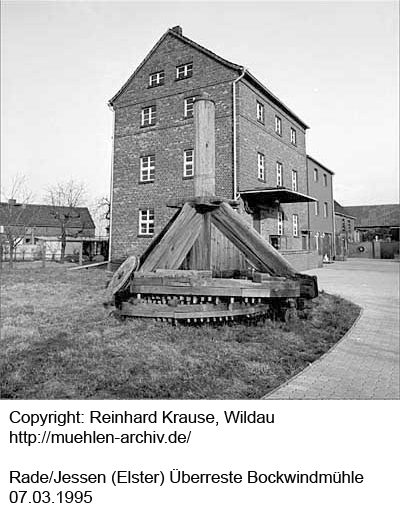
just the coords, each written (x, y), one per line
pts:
(250, 77)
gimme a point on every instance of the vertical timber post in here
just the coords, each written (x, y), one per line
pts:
(204, 175)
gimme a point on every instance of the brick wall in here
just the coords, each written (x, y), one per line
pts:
(320, 189)
(167, 140)
(173, 133)
(255, 137)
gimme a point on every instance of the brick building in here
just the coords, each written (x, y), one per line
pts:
(321, 216)
(260, 149)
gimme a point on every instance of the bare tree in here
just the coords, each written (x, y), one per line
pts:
(101, 213)
(65, 197)
(15, 218)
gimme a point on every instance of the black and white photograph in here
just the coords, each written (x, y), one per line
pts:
(248, 252)
(199, 247)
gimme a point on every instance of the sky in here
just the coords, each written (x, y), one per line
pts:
(335, 64)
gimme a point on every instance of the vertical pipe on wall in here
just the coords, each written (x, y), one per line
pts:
(111, 187)
(235, 193)
(333, 220)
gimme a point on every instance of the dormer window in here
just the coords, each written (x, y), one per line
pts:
(184, 71)
(156, 79)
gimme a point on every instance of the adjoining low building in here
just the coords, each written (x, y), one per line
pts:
(321, 231)
(344, 231)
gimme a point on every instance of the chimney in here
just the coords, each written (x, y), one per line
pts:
(177, 30)
(204, 148)
(12, 202)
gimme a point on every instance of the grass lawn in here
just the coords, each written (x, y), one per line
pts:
(58, 342)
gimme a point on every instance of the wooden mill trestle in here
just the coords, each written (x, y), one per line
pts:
(157, 286)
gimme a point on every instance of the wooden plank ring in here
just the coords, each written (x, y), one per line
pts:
(120, 278)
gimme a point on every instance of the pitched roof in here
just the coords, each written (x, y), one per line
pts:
(341, 210)
(375, 215)
(240, 69)
(321, 165)
(40, 215)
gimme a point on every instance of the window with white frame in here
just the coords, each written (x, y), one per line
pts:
(279, 174)
(188, 163)
(278, 125)
(188, 107)
(149, 116)
(156, 79)
(293, 136)
(146, 222)
(295, 225)
(280, 223)
(184, 70)
(260, 112)
(294, 180)
(315, 175)
(316, 205)
(325, 180)
(147, 168)
(261, 166)
(325, 209)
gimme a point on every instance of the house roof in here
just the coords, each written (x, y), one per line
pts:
(341, 210)
(176, 32)
(375, 215)
(40, 215)
(321, 165)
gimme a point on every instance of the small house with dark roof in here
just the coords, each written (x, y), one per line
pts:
(38, 220)
(260, 150)
(36, 224)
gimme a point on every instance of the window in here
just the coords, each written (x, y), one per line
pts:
(293, 136)
(343, 225)
(188, 107)
(349, 225)
(183, 71)
(147, 168)
(156, 79)
(146, 222)
(188, 163)
(295, 225)
(325, 180)
(316, 203)
(279, 173)
(148, 116)
(325, 209)
(261, 166)
(260, 112)
(278, 125)
(294, 180)
(315, 175)
(280, 223)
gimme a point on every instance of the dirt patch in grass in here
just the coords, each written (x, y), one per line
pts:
(58, 342)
